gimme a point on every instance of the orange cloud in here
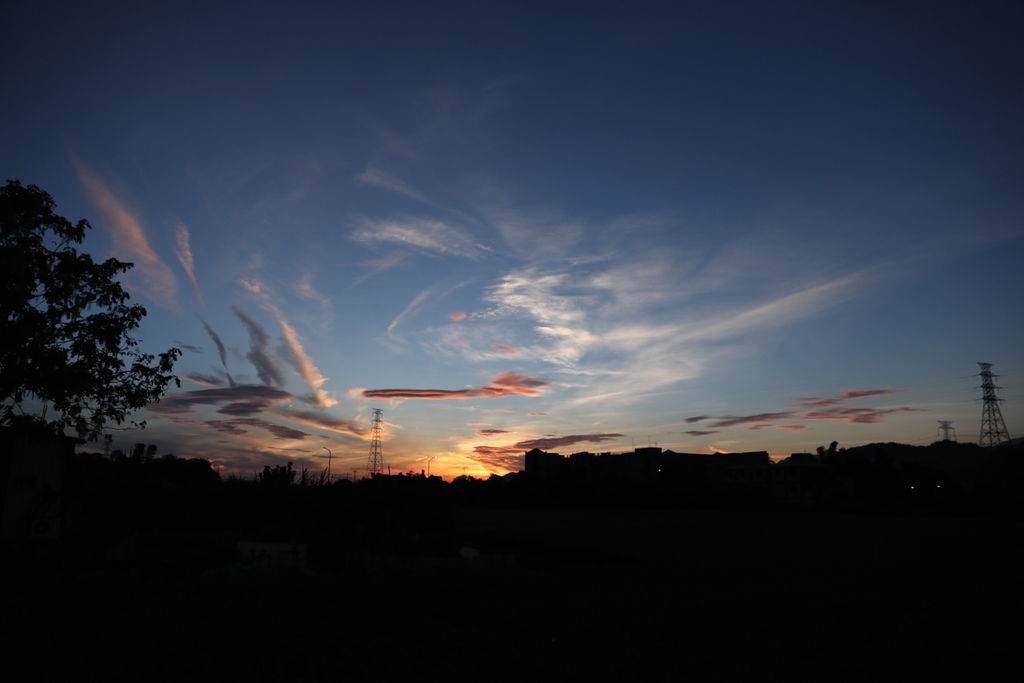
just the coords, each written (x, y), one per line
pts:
(767, 426)
(536, 414)
(457, 316)
(204, 380)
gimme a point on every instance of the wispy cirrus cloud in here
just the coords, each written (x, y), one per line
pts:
(375, 177)
(409, 309)
(221, 350)
(504, 349)
(376, 266)
(426, 235)
(506, 384)
(304, 366)
(294, 352)
(260, 352)
(129, 240)
(243, 399)
(323, 421)
(183, 251)
(305, 289)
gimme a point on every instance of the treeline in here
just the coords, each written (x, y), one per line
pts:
(138, 512)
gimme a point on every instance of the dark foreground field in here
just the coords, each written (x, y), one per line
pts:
(563, 595)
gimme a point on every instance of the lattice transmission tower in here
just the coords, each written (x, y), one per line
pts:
(946, 431)
(375, 462)
(993, 428)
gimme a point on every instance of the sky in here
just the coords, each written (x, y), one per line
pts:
(719, 226)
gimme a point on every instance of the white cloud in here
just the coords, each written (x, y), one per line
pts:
(184, 254)
(416, 302)
(423, 234)
(375, 177)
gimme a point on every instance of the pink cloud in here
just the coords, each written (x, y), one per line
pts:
(840, 399)
(129, 240)
(505, 349)
(536, 414)
(859, 415)
(506, 384)
(478, 424)
(457, 316)
(519, 383)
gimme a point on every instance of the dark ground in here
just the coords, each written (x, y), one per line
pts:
(567, 594)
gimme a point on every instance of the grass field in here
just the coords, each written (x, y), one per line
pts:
(568, 594)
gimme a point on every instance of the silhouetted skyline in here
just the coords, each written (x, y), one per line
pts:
(754, 227)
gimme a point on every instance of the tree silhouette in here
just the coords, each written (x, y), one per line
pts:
(65, 324)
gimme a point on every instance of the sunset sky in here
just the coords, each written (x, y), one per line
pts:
(728, 226)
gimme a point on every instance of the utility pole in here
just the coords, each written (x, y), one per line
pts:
(993, 428)
(375, 461)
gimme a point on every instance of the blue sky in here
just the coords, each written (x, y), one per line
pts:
(576, 225)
